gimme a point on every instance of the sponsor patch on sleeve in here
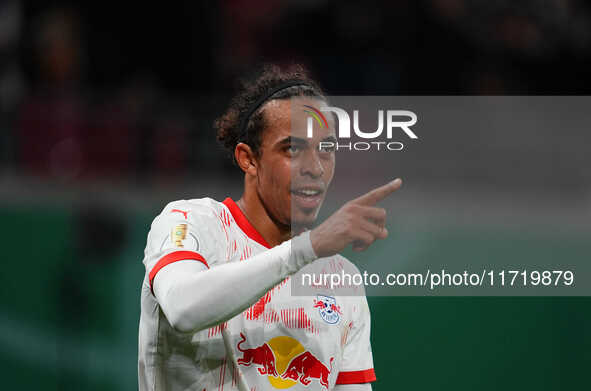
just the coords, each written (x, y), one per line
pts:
(180, 237)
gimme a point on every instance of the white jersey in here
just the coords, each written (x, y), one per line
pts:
(282, 341)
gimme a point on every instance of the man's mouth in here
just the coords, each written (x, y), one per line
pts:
(307, 192)
(307, 197)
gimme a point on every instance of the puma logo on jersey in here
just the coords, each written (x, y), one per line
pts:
(180, 211)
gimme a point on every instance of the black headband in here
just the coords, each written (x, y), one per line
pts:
(263, 99)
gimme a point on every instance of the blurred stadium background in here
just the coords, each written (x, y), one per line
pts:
(106, 115)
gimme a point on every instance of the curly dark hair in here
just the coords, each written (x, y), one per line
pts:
(229, 125)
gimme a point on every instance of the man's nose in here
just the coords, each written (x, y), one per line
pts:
(312, 165)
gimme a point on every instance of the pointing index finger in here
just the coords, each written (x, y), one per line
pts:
(376, 195)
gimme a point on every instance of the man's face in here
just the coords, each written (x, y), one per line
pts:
(293, 171)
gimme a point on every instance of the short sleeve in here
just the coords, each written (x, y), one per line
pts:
(357, 365)
(184, 230)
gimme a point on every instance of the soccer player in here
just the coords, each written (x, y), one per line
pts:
(216, 305)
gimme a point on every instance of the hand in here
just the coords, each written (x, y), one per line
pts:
(358, 222)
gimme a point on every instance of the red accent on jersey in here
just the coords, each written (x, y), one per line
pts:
(225, 217)
(225, 229)
(296, 318)
(258, 308)
(180, 211)
(290, 317)
(243, 222)
(174, 257)
(356, 377)
(246, 253)
(213, 331)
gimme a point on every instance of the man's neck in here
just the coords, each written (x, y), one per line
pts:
(254, 210)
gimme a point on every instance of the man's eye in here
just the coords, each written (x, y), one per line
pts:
(326, 148)
(293, 149)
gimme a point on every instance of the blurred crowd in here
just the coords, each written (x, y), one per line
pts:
(131, 90)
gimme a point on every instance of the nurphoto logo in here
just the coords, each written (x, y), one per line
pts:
(396, 121)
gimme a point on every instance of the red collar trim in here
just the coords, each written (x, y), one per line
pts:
(243, 222)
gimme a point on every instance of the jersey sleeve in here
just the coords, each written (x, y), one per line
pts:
(184, 231)
(357, 365)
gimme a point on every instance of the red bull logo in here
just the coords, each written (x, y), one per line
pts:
(306, 366)
(286, 356)
(262, 355)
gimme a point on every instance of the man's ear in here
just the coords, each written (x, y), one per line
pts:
(245, 158)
